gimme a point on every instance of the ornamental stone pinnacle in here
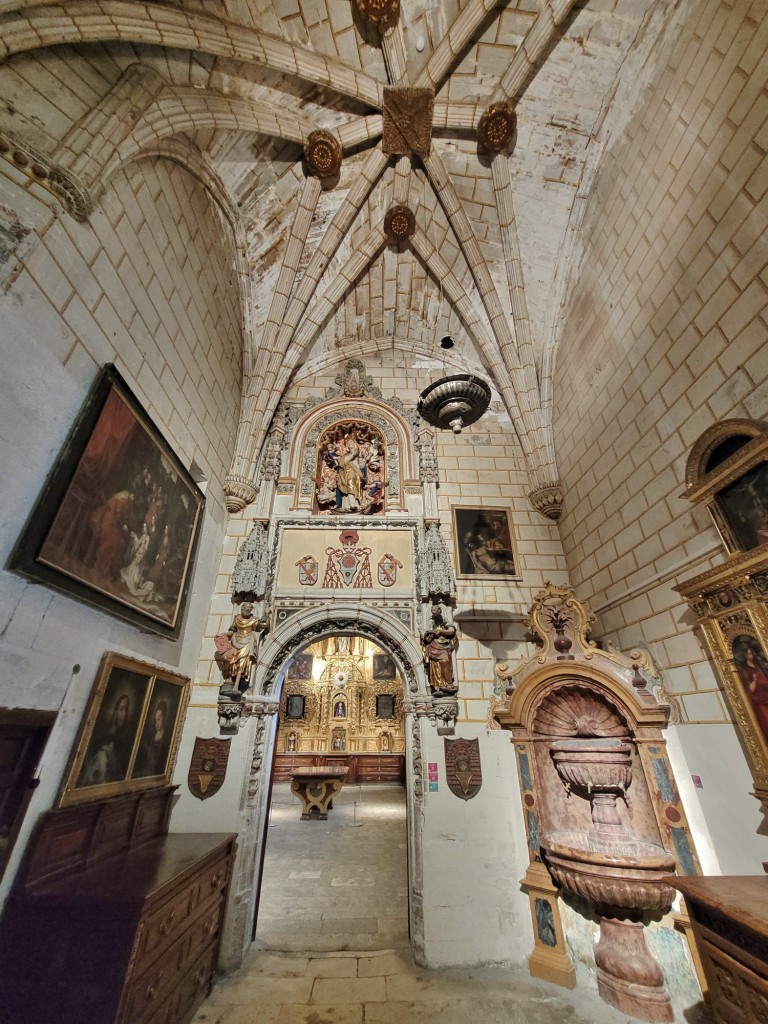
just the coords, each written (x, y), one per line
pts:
(323, 154)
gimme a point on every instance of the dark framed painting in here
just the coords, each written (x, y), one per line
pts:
(130, 732)
(385, 705)
(384, 666)
(484, 543)
(744, 504)
(294, 706)
(301, 667)
(118, 522)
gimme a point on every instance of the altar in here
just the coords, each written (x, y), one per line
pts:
(316, 787)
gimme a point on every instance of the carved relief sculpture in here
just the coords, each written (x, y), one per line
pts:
(350, 475)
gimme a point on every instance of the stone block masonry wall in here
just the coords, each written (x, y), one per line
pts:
(664, 336)
(148, 283)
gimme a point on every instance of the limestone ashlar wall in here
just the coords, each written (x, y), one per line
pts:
(665, 335)
(148, 283)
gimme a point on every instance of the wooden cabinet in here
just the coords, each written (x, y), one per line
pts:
(127, 939)
(729, 915)
(362, 767)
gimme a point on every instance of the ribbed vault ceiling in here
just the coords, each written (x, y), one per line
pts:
(233, 88)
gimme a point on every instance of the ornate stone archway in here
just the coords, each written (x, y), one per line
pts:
(258, 730)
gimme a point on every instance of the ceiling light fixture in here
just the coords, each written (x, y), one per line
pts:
(454, 402)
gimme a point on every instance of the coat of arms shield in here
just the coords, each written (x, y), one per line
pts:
(462, 767)
(208, 766)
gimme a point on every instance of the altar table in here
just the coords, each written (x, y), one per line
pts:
(316, 787)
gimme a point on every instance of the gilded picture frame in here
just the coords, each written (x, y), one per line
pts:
(484, 543)
(118, 521)
(129, 736)
(731, 604)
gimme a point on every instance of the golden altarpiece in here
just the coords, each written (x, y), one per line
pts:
(341, 695)
(727, 473)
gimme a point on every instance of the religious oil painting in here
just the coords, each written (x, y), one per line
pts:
(118, 521)
(384, 667)
(745, 506)
(130, 731)
(484, 543)
(301, 667)
(751, 663)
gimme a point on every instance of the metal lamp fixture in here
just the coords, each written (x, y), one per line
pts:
(454, 402)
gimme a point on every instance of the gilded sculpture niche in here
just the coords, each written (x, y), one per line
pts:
(604, 820)
(727, 472)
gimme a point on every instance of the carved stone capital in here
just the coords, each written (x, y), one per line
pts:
(229, 713)
(399, 224)
(238, 492)
(548, 499)
(497, 127)
(323, 155)
(61, 183)
(446, 711)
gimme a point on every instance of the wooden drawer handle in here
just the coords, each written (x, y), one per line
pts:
(201, 977)
(210, 925)
(166, 924)
(216, 880)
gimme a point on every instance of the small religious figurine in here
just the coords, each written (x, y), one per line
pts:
(237, 651)
(437, 646)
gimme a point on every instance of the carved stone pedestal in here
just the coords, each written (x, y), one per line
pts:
(628, 977)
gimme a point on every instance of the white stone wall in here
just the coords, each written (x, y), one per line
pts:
(665, 335)
(148, 284)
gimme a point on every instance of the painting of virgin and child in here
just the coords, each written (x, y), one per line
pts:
(118, 523)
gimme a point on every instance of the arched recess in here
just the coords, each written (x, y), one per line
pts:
(400, 452)
(307, 627)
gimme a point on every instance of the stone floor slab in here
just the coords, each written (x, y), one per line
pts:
(340, 991)
(297, 1014)
(332, 967)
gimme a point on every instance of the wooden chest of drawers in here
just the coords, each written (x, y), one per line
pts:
(131, 940)
(729, 915)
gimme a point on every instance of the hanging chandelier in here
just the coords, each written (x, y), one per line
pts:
(454, 402)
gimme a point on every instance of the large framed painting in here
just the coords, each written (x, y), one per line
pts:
(484, 543)
(384, 667)
(118, 521)
(130, 732)
(301, 666)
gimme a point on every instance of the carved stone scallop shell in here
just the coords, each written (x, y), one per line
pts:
(577, 711)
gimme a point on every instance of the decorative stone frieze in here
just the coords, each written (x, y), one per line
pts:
(238, 493)
(399, 224)
(64, 185)
(323, 155)
(548, 500)
(497, 127)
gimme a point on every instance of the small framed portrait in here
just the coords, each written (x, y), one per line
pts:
(339, 709)
(301, 667)
(484, 543)
(118, 521)
(294, 706)
(384, 667)
(130, 733)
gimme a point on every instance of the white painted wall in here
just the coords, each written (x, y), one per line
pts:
(147, 284)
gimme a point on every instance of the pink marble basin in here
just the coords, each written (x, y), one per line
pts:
(596, 765)
(623, 875)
